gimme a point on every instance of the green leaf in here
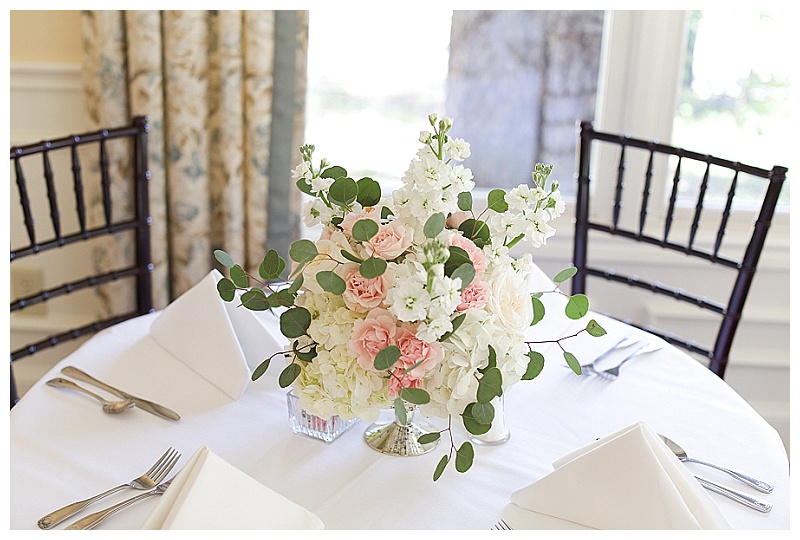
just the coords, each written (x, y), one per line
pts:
(223, 258)
(334, 172)
(475, 230)
(372, 267)
(594, 329)
(400, 411)
(387, 357)
(331, 282)
(351, 257)
(272, 265)
(255, 300)
(437, 473)
(303, 251)
(386, 212)
(429, 437)
(296, 284)
(456, 323)
(434, 225)
(470, 424)
(260, 370)
(364, 230)
(572, 362)
(465, 201)
(417, 396)
(343, 192)
(466, 272)
(289, 374)
(305, 187)
(369, 192)
(538, 310)
(483, 413)
(226, 289)
(565, 274)
(306, 354)
(465, 455)
(577, 306)
(239, 276)
(535, 366)
(282, 298)
(497, 201)
(457, 257)
(294, 322)
(490, 385)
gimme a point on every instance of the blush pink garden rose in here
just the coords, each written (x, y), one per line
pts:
(349, 220)
(414, 350)
(363, 294)
(475, 295)
(391, 240)
(455, 219)
(398, 380)
(476, 255)
(371, 335)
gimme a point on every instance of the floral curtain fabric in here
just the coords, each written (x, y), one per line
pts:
(205, 79)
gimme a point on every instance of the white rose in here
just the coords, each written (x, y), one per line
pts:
(512, 309)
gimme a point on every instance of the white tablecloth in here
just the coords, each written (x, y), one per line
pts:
(63, 448)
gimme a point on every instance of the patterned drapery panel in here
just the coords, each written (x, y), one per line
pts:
(205, 79)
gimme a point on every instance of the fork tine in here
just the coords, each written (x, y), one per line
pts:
(159, 462)
(163, 471)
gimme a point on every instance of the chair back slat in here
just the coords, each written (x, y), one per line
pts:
(726, 213)
(673, 197)
(698, 209)
(620, 184)
(77, 181)
(24, 200)
(52, 197)
(648, 180)
(105, 180)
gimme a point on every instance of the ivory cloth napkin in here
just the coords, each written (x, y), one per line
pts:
(627, 480)
(209, 493)
(221, 341)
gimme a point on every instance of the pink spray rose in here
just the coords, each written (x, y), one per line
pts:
(398, 381)
(350, 219)
(476, 255)
(391, 240)
(414, 350)
(371, 335)
(363, 294)
(455, 219)
(474, 295)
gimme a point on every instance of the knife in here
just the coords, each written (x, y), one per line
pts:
(149, 406)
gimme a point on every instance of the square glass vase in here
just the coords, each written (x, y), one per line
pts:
(308, 424)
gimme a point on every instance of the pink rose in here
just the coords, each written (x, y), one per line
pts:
(455, 219)
(391, 240)
(363, 294)
(371, 335)
(474, 295)
(476, 255)
(414, 350)
(398, 381)
(350, 219)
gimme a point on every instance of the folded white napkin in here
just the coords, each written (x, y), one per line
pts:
(209, 493)
(219, 340)
(627, 480)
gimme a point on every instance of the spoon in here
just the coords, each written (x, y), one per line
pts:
(111, 407)
(745, 478)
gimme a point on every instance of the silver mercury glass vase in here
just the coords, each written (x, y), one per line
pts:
(395, 438)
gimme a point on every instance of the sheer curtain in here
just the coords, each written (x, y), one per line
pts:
(207, 80)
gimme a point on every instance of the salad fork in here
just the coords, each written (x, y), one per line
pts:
(613, 373)
(589, 368)
(148, 480)
(92, 520)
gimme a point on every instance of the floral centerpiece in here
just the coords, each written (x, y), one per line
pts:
(411, 298)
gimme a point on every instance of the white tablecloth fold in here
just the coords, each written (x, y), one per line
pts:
(221, 341)
(626, 480)
(211, 494)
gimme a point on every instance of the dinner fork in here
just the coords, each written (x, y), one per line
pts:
(613, 373)
(589, 368)
(501, 526)
(148, 480)
(92, 520)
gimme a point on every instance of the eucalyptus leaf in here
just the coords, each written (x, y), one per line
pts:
(429, 437)
(350, 257)
(465, 201)
(490, 385)
(437, 473)
(364, 230)
(260, 370)
(565, 274)
(303, 251)
(572, 362)
(331, 282)
(369, 192)
(535, 366)
(456, 322)
(306, 354)
(294, 322)
(577, 306)
(400, 411)
(483, 413)
(296, 284)
(272, 266)
(226, 289)
(334, 172)
(289, 374)
(492, 360)
(465, 455)
(457, 257)
(466, 272)
(470, 424)
(386, 212)
(343, 192)
(594, 329)
(475, 230)
(387, 357)
(434, 225)
(282, 298)
(239, 276)
(496, 200)
(538, 310)
(305, 187)
(372, 267)
(223, 258)
(417, 396)
(255, 300)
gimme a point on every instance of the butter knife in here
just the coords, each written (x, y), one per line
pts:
(149, 406)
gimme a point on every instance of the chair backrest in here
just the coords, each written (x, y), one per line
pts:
(97, 177)
(618, 151)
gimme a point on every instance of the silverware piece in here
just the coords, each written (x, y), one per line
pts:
(148, 480)
(589, 367)
(501, 526)
(613, 373)
(111, 407)
(738, 496)
(149, 406)
(92, 520)
(676, 449)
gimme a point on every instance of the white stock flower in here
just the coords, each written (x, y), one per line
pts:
(457, 149)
